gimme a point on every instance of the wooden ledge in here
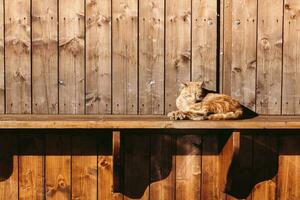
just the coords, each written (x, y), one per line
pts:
(140, 121)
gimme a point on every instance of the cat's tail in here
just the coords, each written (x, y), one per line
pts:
(226, 116)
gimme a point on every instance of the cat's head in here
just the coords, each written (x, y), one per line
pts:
(193, 91)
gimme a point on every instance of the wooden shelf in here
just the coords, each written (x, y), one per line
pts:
(140, 122)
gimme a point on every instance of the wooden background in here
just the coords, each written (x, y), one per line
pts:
(128, 57)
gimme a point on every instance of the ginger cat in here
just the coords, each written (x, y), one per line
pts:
(196, 103)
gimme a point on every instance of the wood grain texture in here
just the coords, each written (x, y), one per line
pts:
(291, 58)
(44, 57)
(71, 57)
(2, 86)
(163, 175)
(210, 168)
(288, 172)
(9, 167)
(138, 122)
(84, 167)
(227, 48)
(125, 53)
(151, 57)
(98, 57)
(31, 167)
(243, 69)
(105, 169)
(188, 167)
(178, 49)
(204, 42)
(269, 57)
(58, 167)
(17, 56)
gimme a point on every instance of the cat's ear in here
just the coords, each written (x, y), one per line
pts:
(202, 84)
(183, 84)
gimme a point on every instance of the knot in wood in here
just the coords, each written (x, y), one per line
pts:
(265, 44)
(61, 182)
(237, 22)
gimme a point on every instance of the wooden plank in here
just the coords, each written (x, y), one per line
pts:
(105, 169)
(178, 49)
(210, 167)
(71, 57)
(17, 56)
(9, 167)
(58, 167)
(220, 9)
(44, 57)
(98, 56)
(230, 151)
(188, 167)
(243, 69)
(227, 48)
(265, 165)
(162, 167)
(136, 166)
(125, 62)
(138, 122)
(204, 42)
(288, 172)
(151, 57)
(2, 86)
(269, 57)
(291, 71)
(31, 167)
(84, 167)
(118, 160)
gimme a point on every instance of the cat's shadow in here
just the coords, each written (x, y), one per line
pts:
(150, 155)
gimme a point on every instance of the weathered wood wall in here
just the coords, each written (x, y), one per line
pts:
(261, 54)
(103, 56)
(129, 57)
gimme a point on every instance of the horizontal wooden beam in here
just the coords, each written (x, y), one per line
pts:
(140, 121)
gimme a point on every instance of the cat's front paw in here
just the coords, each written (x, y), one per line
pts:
(172, 115)
(176, 115)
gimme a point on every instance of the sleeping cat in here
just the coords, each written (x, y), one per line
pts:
(196, 103)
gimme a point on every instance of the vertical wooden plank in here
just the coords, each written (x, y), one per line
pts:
(31, 167)
(9, 167)
(84, 167)
(98, 56)
(178, 48)
(244, 23)
(220, 8)
(204, 42)
(162, 167)
(151, 57)
(188, 167)
(58, 167)
(210, 167)
(125, 47)
(288, 172)
(136, 166)
(2, 86)
(269, 56)
(17, 56)
(291, 59)
(71, 57)
(105, 169)
(265, 166)
(44, 57)
(227, 51)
